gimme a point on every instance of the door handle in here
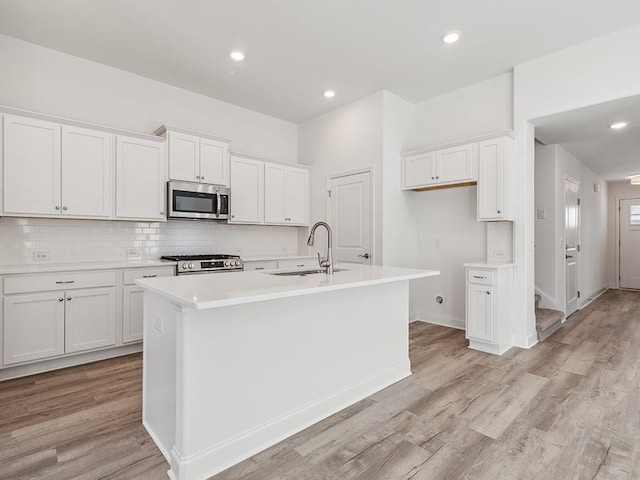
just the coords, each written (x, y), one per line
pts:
(568, 256)
(366, 255)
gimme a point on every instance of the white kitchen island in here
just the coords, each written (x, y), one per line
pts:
(235, 362)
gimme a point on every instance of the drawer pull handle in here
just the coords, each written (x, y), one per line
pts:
(479, 276)
(259, 268)
(68, 281)
(301, 265)
(149, 276)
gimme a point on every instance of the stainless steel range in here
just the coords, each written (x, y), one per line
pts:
(194, 264)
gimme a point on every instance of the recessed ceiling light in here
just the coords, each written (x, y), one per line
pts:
(451, 37)
(618, 125)
(329, 93)
(237, 55)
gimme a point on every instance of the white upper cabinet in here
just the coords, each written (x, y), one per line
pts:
(447, 166)
(53, 169)
(247, 190)
(196, 158)
(495, 179)
(32, 167)
(140, 179)
(286, 195)
(87, 172)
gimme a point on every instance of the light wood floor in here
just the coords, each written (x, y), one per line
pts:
(568, 408)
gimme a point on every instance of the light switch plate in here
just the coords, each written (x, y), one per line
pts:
(542, 213)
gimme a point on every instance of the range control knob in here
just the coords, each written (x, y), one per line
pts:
(226, 263)
(184, 266)
(237, 263)
(190, 266)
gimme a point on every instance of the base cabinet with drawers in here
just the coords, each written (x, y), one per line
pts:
(52, 316)
(489, 306)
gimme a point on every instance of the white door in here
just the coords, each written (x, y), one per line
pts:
(351, 217)
(247, 190)
(275, 180)
(33, 326)
(31, 166)
(140, 179)
(184, 157)
(630, 243)
(87, 164)
(479, 312)
(214, 162)
(572, 243)
(90, 320)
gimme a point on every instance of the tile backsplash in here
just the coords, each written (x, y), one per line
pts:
(36, 240)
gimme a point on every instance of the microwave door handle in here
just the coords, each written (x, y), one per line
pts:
(219, 206)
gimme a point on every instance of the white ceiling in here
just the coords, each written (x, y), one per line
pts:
(298, 48)
(585, 133)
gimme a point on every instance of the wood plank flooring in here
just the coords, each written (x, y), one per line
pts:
(569, 408)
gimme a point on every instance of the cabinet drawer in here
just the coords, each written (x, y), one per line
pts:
(298, 263)
(262, 265)
(483, 277)
(129, 276)
(58, 281)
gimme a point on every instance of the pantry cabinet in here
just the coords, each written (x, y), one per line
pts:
(195, 157)
(489, 306)
(286, 195)
(496, 172)
(56, 170)
(141, 177)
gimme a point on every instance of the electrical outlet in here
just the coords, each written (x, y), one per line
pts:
(159, 324)
(40, 256)
(542, 214)
(133, 253)
(436, 243)
(498, 253)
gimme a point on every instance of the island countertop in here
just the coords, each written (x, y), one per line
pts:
(201, 292)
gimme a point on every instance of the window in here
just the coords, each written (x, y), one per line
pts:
(634, 215)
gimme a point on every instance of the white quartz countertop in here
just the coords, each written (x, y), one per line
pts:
(67, 267)
(495, 266)
(202, 292)
(275, 258)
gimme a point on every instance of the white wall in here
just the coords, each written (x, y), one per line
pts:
(552, 165)
(617, 191)
(346, 139)
(592, 72)
(45, 81)
(449, 216)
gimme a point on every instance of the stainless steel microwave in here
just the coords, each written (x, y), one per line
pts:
(197, 201)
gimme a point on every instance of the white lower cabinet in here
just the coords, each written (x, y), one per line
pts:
(489, 307)
(33, 327)
(90, 319)
(132, 321)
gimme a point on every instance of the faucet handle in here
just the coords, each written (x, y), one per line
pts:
(323, 262)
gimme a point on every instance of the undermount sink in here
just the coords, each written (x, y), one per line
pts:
(303, 273)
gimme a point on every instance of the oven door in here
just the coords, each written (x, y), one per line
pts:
(193, 200)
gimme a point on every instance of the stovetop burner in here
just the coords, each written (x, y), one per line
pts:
(190, 264)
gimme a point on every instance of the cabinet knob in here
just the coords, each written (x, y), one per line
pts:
(197, 176)
(433, 178)
(437, 177)
(201, 178)
(61, 299)
(57, 207)
(488, 293)
(161, 213)
(65, 208)
(69, 298)
(499, 211)
(233, 216)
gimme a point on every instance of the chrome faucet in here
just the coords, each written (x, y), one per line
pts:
(327, 262)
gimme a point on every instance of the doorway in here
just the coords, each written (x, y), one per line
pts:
(629, 244)
(351, 215)
(572, 243)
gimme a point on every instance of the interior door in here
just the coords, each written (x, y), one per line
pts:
(629, 244)
(351, 218)
(572, 243)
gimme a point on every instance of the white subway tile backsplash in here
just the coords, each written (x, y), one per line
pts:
(70, 241)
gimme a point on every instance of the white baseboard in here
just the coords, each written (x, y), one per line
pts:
(442, 320)
(217, 458)
(523, 341)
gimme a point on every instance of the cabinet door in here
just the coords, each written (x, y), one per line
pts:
(480, 312)
(90, 320)
(184, 157)
(455, 164)
(33, 327)
(419, 170)
(31, 166)
(140, 179)
(275, 180)
(247, 190)
(492, 181)
(87, 165)
(214, 162)
(297, 196)
(132, 320)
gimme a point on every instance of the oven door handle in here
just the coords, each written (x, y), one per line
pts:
(219, 204)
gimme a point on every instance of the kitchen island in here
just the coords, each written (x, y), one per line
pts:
(236, 362)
